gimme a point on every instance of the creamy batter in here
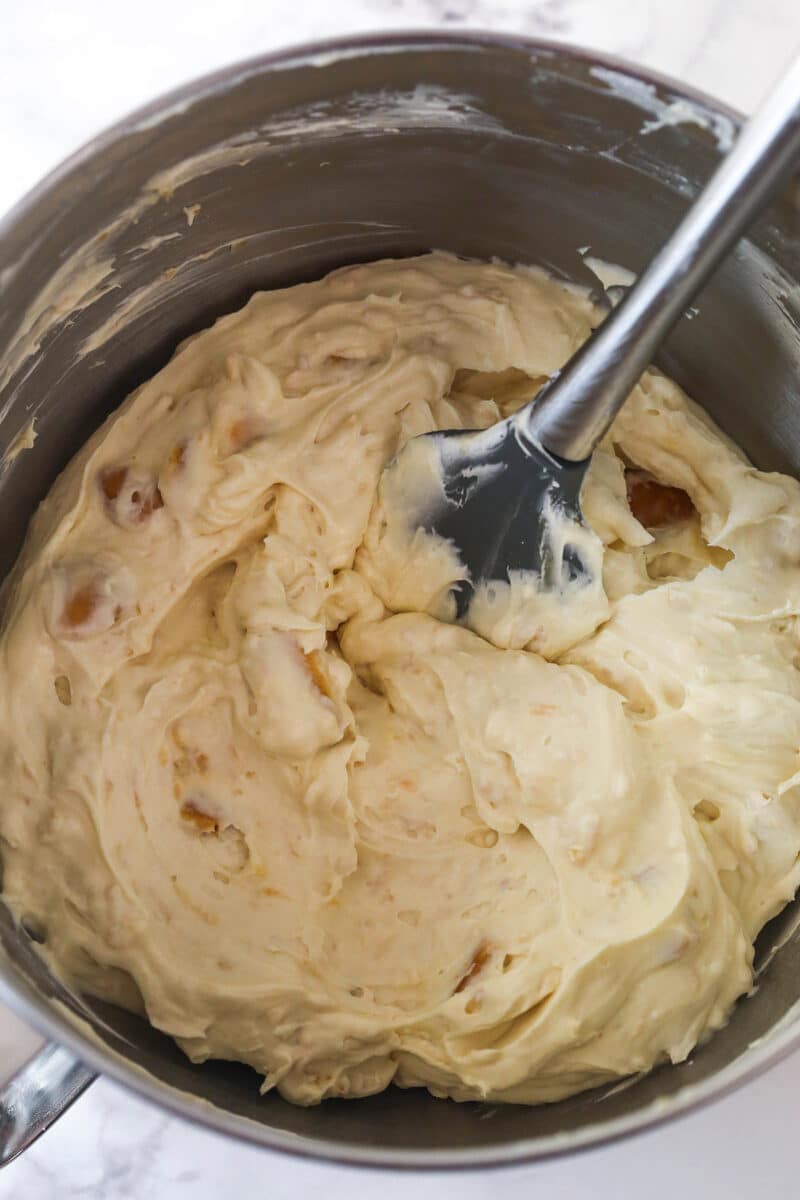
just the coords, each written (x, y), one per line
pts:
(254, 789)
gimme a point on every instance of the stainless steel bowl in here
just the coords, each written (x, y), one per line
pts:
(276, 171)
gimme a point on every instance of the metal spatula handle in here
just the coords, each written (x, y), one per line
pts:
(570, 417)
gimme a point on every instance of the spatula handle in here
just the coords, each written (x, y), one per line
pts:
(576, 408)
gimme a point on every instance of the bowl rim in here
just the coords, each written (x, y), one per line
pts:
(355, 45)
(52, 1020)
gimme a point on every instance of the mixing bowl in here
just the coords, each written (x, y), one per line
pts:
(273, 172)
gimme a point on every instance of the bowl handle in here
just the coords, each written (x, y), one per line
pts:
(37, 1095)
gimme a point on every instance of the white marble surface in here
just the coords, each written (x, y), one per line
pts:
(68, 69)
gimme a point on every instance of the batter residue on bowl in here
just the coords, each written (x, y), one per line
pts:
(253, 788)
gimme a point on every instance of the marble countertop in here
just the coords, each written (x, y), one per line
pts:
(67, 70)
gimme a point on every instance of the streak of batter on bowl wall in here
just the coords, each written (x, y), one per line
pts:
(256, 790)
